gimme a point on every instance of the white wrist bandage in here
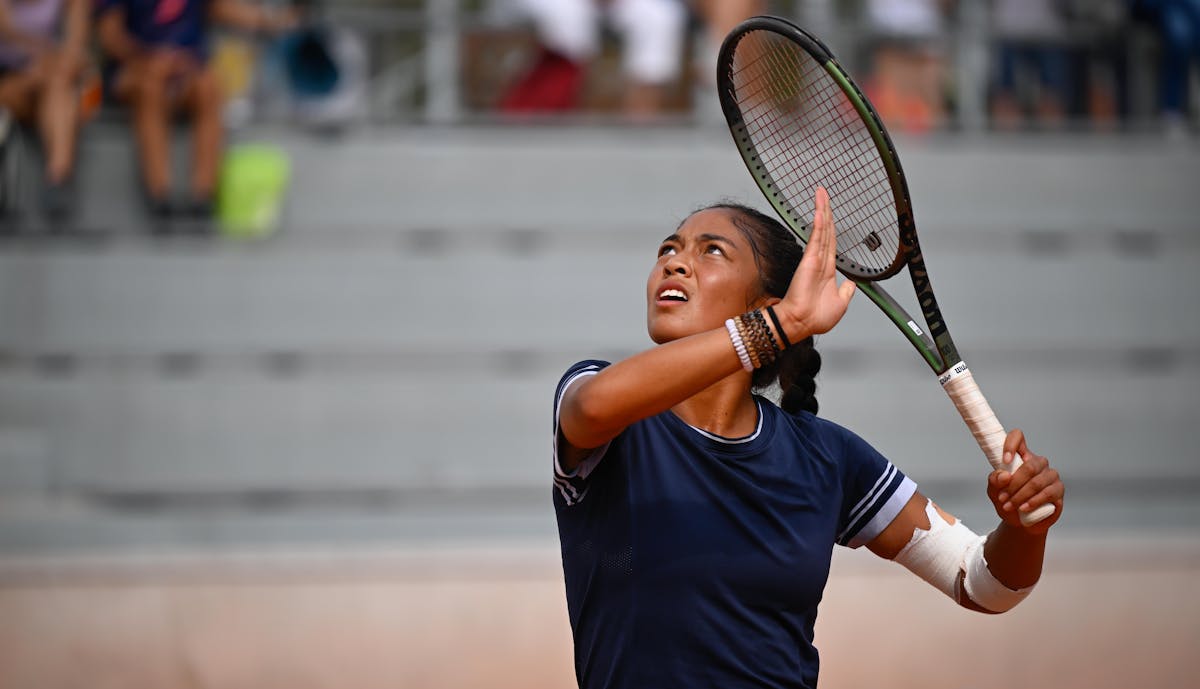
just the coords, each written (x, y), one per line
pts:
(941, 553)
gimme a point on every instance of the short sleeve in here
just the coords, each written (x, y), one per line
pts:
(874, 492)
(572, 486)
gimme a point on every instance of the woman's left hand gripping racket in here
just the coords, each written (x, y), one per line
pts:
(799, 121)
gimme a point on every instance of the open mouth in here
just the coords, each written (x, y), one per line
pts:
(672, 295)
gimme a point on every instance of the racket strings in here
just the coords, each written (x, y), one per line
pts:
(806, 132)
(786, 142)
(782, 139)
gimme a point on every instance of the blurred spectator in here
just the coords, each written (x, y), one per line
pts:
(907, 79)
(652, 32)
(42, 56)
(1178, 24)
(1103, 58)
(1032, 62)
(720, 17)
(159, 65)
(318, 77)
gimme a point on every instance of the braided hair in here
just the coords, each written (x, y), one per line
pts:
(777, 254)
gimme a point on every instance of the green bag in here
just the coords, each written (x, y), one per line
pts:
(250, 193)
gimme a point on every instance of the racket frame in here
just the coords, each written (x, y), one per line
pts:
(934, 343)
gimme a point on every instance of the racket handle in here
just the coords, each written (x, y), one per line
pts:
(964, 392)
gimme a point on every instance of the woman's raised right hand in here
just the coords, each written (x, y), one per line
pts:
(815, 302)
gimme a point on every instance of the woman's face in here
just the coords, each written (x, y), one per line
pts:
(705, 274)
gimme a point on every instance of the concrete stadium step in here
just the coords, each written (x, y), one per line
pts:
(402, 335)
(131, 303)
(589, 180)
(597, 179)
(441, 430)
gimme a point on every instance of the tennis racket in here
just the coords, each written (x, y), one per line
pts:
(799, 121)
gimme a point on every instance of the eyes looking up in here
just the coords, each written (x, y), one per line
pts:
(672, 247)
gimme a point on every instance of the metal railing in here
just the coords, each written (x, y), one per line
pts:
(417, 56)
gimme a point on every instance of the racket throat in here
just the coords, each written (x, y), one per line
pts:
(930, 311)
(908, 327)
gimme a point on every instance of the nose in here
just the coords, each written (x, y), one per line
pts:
(675, 265)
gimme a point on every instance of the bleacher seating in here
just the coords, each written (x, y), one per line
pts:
(396, 345)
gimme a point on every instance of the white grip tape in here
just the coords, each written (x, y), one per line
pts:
(974, 409)
(960, 385)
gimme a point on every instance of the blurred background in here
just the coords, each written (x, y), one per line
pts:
(283, 419)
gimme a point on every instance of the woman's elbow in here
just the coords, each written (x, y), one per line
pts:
(586, 420)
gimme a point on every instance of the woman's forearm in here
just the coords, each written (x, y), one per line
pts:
(646, 384)
(1015, 557)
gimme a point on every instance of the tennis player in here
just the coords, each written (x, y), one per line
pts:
(697, 518)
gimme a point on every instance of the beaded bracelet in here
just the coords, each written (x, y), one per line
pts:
(752, 348)
(753, 340)
(761, 323)
(760, 344)
(738, 345)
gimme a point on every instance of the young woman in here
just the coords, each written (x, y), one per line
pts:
(697, 519)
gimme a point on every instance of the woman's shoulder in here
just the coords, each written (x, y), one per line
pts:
(587, 364)
(804, 419)
(578, 370)
(818, 428)
(581, 368)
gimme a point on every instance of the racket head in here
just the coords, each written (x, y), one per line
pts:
(799, 121)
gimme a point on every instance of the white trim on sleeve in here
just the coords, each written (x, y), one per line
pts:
(573, 485)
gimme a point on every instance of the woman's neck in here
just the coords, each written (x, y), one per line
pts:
(726, 408)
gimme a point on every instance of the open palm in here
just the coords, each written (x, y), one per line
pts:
(815, 302)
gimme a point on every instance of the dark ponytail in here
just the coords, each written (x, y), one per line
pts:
(777, 254)
(796, 370)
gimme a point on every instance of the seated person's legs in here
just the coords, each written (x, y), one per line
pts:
(155, 86)
(42, 54)
(19, 90)
(58, 115)
(202, 99)
(45, 95)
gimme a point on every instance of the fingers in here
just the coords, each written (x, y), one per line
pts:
(820, 244)
(1032, 484)
(846, 290)
(1035, 484)
(1014, 445)
(1041, 484)
(815, 302)
(828, 214)
(816, 238)
(829, 251)
(823, 240)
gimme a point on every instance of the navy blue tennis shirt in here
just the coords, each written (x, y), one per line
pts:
(693, 560)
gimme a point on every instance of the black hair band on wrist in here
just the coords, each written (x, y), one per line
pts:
(778, 328)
